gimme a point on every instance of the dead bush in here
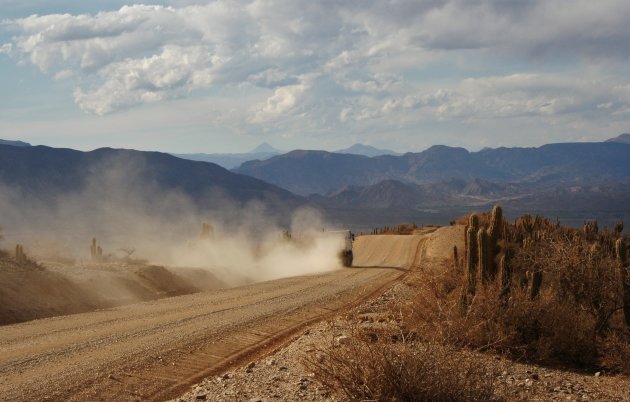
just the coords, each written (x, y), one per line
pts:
(403, 371)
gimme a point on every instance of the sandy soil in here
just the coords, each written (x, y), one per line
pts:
(155, 350)
(30, 291)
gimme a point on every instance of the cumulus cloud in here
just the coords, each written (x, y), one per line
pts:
(334, 62)
(174, 72)
(283, 99)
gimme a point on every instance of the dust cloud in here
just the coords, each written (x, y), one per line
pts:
(130, 215)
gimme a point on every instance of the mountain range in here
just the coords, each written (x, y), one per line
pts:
(573, 180)
(265, 151)
(567, 164)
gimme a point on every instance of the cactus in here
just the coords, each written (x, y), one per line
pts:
(19, 253)
(534, 280)
(455, 257)
(505, 276)
(95, 250)
(473, 221)
(525, 223)
(207, 232)
(496, 223)
(590, 229)
(494, 234)
(471, 260)
(618, 229)
(621, 252)
(483, 255)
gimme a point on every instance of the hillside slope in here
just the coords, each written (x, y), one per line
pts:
(46, 173)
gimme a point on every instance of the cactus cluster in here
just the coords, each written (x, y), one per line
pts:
(96, 252)
(497, 253)
(488, 254)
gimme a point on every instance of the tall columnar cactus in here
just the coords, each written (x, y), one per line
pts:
(455, 258)
(496, 223)
(483, 252)
(472, 258)
(494, 234)
(621, 252)
(473, 221)
(19, 253)
(505, 275)
(534, 280)
(93, 249)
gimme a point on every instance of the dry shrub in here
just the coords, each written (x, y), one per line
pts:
(615, 351)
(576, 320)
(403, 371)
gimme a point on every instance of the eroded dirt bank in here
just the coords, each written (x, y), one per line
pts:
(30, 291)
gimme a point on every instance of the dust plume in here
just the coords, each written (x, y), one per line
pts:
(127, 212)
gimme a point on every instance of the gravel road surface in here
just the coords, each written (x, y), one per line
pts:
(156, 350)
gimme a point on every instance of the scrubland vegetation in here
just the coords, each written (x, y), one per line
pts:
(532, 291)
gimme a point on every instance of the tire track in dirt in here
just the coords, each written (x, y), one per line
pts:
(154, 350)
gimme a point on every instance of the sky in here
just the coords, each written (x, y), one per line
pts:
(224, 76)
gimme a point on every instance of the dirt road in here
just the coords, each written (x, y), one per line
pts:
(155, 350)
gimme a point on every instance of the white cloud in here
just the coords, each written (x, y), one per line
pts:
(173, 73)
(283, 100)
(6, 48)
(333, 64)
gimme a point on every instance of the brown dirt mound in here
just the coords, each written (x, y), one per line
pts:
(29, 291)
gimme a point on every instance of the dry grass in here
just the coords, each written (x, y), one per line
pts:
(576, 320)
(365, 370)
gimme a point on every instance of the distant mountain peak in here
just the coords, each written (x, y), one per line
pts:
(366, 150)
(264, 148)
(15, 143)
(623, 138)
